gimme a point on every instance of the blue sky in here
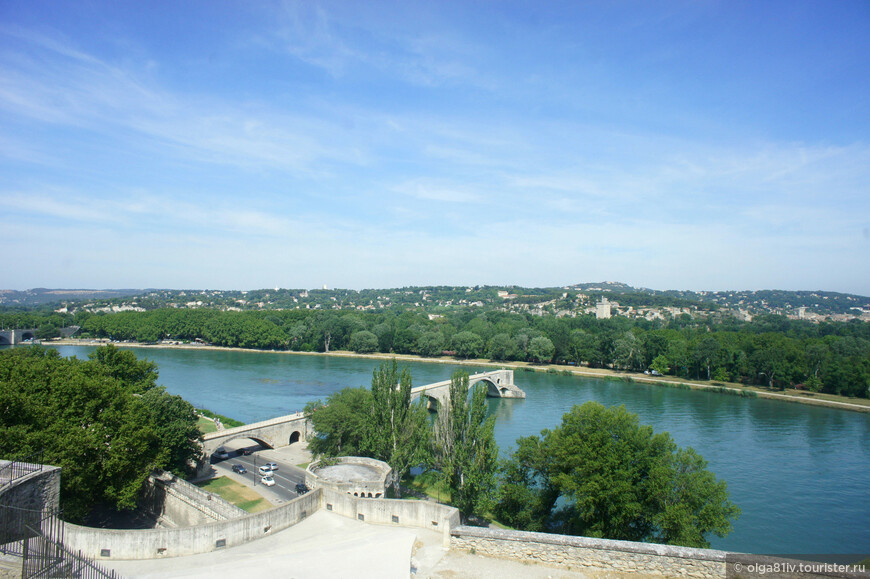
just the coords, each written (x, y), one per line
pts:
(240, 145)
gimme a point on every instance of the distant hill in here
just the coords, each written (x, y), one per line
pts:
(41, 296)
(574, 297)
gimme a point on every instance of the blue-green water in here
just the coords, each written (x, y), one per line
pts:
(800, 474)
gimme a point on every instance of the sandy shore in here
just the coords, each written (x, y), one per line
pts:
(799, 396)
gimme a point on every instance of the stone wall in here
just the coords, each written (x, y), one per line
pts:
(375, 488)
(607, 558)
(37, 490)
(407, 513)
(34, 493)
(176, 542)
(177, 503)
(601, 556)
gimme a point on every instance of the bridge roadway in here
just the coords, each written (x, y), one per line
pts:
(287, 430)
(286, 477)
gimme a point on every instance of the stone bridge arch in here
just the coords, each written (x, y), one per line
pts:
(499, 384)
(13, 337)
(274, 433)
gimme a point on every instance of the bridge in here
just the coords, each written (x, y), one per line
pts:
(272, 433)
(285, 430)
(12, 337)
(500, 384)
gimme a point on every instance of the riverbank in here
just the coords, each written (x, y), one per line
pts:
(789, 395)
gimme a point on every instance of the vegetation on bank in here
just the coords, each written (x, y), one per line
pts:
(599, 474)
(226, 421)
(771, 352)
(103, 420)
(238, 494)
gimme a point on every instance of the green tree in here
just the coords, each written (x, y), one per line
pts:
(398, 431)
(341, 425)
(363, 342)
(617, 479)
(104, 421)
(430, 344)
(465, 449)
(467, 344)
(541, 349)
(501, 347)
(660, 364)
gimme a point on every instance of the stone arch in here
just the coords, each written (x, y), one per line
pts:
(295, 436)
(492, 390)
(261, 441)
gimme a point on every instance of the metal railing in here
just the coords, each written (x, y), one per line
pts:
(36, 537)
(18, 468)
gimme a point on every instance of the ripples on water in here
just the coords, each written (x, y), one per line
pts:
(799, 473)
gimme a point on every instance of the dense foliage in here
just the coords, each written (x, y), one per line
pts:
(771, 351)
(602, 474)
(104, 421)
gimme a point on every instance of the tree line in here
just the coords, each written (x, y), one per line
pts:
(772, 351)
(599, 474)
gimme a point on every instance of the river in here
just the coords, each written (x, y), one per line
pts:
(800, 474)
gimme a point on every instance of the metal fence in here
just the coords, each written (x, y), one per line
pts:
(16, 469)
(36, 537)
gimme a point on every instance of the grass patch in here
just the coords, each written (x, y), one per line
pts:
(205, 425)
(240, 495)
(228, 422)
(303, 464)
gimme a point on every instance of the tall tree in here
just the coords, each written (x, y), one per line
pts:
(398, 431)
(465, 448)
(341, 424)
(614, 479)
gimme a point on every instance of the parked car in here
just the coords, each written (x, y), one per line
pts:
(301, 489)
(239, 469)
(268, 481)
(265, 470)
(272, 465)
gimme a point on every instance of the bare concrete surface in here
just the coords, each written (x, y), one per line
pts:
(349, 472)
(329, 545)
(324, 545)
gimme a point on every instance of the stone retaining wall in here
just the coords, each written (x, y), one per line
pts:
(176, 542)
(607, 558)
(407, 513)
(614, 558)
(177, 503)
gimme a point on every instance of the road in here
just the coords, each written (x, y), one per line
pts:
(285, 477)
